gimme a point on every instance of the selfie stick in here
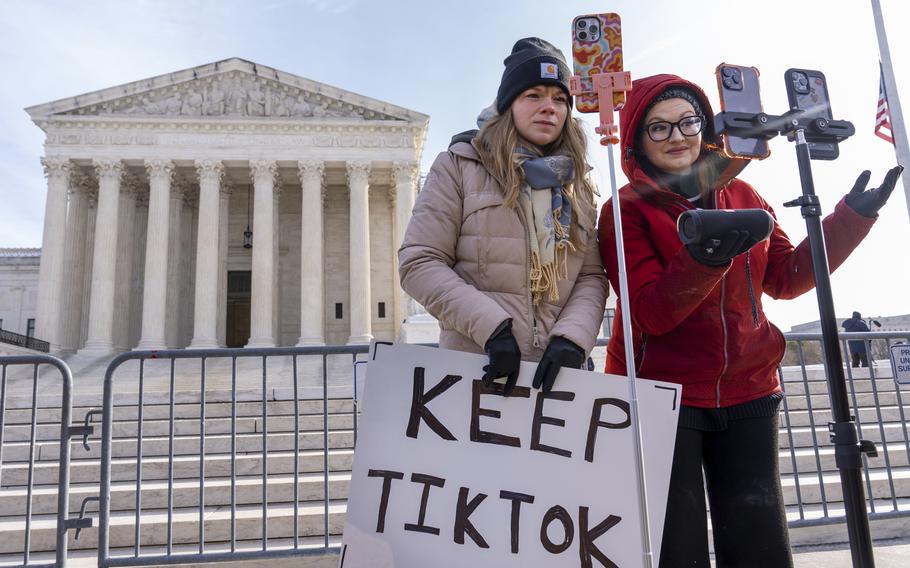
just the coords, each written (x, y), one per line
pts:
(605, 84)
(848, 448)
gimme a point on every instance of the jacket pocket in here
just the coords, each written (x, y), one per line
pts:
(478, 223)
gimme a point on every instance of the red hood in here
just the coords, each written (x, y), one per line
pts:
(643, 92)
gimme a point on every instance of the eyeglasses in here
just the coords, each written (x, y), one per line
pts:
(661, 130)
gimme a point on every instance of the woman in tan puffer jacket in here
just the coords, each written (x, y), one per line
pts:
(501, 247)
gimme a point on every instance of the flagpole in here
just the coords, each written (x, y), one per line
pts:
(901, 147)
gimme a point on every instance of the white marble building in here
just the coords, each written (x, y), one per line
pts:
(151, 186)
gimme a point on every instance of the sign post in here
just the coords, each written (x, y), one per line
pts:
(448, 473)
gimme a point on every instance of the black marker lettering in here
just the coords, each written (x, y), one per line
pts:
(477, 435)
(463, 522)
(557, 513)
(387, 477)
(427, 480)
(419, 401)
(586, 546)
(540, 419)
(517, 499)
(597, 423)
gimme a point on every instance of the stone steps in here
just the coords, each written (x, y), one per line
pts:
(185, 529)
(806, 458)
(187, 409)
(866, 415)
(185, 445)
(154, 494)
(185, 427)
(185, 467)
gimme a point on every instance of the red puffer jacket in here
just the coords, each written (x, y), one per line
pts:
(697, 325)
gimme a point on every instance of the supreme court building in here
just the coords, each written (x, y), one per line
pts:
(151, 187)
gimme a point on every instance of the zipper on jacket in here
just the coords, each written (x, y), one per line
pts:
(723, 323)
(532, 317)
(751, 291)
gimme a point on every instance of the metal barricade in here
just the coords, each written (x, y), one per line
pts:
(181, 418)
(213, 466)
(879, 408)
(39, 387)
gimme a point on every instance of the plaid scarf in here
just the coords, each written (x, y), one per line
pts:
(548, 211)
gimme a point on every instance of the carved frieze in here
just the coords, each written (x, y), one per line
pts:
(233, 94)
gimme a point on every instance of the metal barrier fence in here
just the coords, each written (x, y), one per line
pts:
(67, 431)
(251, 488)
(236, 454)
(880, 411)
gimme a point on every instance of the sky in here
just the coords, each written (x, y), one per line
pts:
(444, 59)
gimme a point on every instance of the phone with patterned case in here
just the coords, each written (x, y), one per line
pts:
(739, 92)
(596, 48)
(807, 90)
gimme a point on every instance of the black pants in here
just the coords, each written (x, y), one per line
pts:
(747, 512)
(859, 359)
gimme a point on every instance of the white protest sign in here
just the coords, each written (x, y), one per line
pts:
(900, 359)
(448, 474)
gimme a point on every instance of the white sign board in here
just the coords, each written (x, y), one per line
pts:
(449, 474)
(900, 359)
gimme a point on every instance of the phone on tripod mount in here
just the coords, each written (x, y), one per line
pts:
(807, 90)
(739, 92)
(596, 48)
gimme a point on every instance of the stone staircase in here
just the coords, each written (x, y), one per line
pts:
(155, 491)
(809, 475)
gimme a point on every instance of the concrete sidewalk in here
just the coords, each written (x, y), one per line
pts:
(888, 554)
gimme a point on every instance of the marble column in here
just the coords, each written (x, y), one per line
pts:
(175, 252)
(223, 240)
(205, 312)
(123, 281)
(405, 180)
(312, 288)
(263, 173)
(104, 260)
(50, 273)
(74, 263)
(154, 291)
(359, 184)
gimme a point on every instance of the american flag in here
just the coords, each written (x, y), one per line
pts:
(883, 116)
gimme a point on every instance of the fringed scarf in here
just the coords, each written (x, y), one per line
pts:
(548, 211)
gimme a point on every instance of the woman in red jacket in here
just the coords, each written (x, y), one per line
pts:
(697, 320)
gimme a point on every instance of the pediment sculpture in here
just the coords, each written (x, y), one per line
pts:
(232, 95)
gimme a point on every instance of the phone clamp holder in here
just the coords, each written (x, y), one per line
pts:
(604, 85)
(766, 126)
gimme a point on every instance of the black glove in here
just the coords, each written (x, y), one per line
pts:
(559, 353)
(720, 251)
(867, 203)
(505, 359)
(714, 236)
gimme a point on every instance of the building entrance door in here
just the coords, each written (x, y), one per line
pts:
(238, 308)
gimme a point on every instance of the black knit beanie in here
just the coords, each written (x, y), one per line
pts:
(533, 62)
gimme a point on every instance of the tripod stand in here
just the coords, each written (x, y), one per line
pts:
(848, 449)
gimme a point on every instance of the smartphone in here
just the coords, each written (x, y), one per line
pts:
(807, 90)
(596, 48)
(739, 92)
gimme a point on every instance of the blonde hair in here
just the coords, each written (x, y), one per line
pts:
(499, 141)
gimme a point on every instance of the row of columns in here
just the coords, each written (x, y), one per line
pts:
(60, 246)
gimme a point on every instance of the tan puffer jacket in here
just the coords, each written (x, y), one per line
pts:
(465, 258)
